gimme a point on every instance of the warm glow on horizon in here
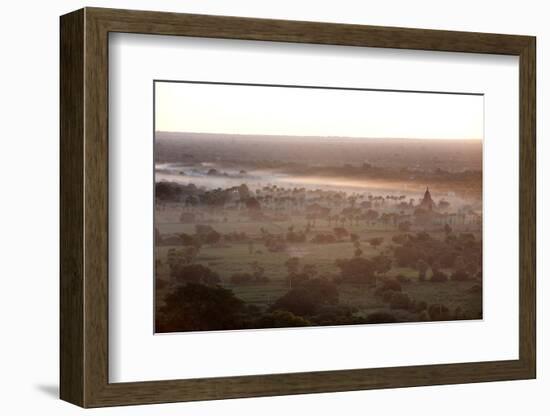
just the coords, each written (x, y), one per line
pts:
(237, 109)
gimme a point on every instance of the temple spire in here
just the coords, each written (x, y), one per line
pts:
(427, 202)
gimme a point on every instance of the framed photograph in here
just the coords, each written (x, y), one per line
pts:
(255, 207)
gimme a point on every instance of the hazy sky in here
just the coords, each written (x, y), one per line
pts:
(238, 109)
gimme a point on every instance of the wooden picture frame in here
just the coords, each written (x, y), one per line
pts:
(84, 207)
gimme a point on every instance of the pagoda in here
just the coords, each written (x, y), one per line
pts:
(427, 202)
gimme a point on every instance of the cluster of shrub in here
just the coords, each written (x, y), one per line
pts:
(278, 242)
(195, 306)
(204, 234)
(360, 270)
(310, 300)
(324, 238)
(274, 243)
(174, 192)
(293, 236)
(198, 306)
(421, 251)
(196, 302)
(236, 236)
(391, 293)
(191, 195)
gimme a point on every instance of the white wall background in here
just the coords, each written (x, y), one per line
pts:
(29, 209)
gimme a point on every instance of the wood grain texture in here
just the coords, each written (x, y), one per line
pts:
(527, 207)
(84, 207)
(71, 208)
(96, 220)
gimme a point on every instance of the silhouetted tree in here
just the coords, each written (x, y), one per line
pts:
(376, 241)
(340, 232)
(197, 307)
(382, 264)
(371, 215)
(356, 270)
(212, 237)
(308, 297)
(252, 204)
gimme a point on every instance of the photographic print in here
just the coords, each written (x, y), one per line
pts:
(283, 206)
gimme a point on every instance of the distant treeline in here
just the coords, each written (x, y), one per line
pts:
(273, 151)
